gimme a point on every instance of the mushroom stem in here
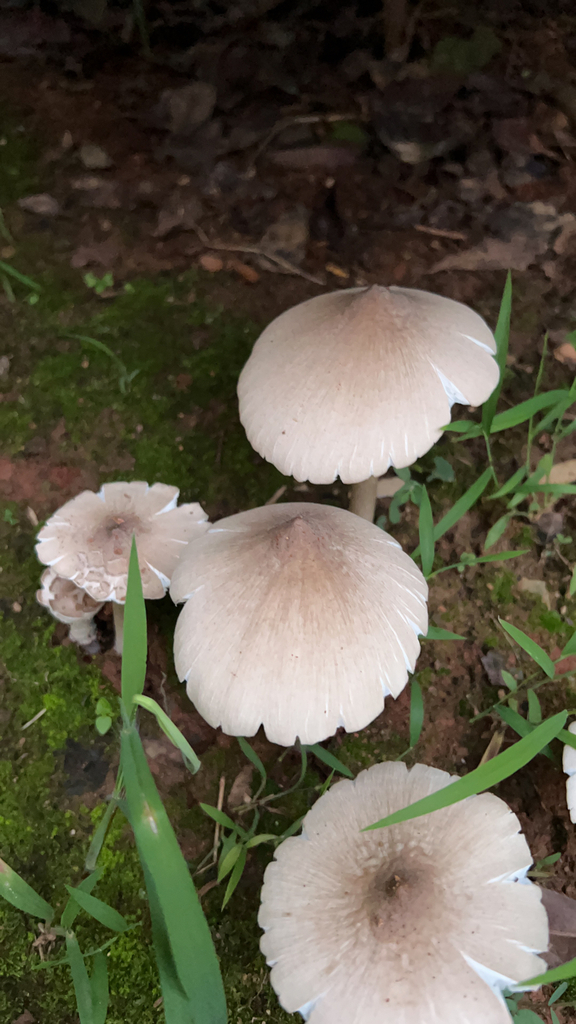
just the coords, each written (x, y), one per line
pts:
(83, 632)
(118, 613)
(363, 498)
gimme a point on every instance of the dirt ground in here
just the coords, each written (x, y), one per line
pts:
(170, 224)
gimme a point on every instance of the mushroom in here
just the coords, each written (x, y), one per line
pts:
(70, 604)
(299, 617)
(352, 382)
(569, 766)
(423, 922)
(88, 540)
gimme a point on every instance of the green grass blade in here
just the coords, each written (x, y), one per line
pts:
(502, 335)
(32, 285)
(532, 649)
(264, 837)
(252, 756)
(221, 818)
(100, 833)
(416, 711)
(329, 759)
(518, 414)
(562, 973)
(188, 933)
(99, 988)
(100, 345)
(426, 532)
(570, 647)
(460, 426)
(228, 861)
(177, 1007)
(496, 530)
(510, 484)
(499, 556)
(171, 731)
(235, 876)
(135, 651)
(99, 910)
(82, 989)
(16, 891)
(524, 728)
(483, 777)
(72, 908)
(525, 410)
(558, 489)
(468, 499)
(436, 633)
(534, 709)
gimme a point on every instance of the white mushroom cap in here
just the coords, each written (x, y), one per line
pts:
(352, 382)
(569, 766)
(67, 602)
(419, 923)
(299, 617)
(70, 604)
(88, 540)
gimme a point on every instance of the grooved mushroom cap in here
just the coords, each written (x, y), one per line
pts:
(352, 382)
(67, 602)
(417, 923)
(298, 617)
(88, 540)
(569, 766)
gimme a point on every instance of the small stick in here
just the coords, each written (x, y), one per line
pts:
(256, 250)
(287, 122)
(35, 719)
(277, 495)
(219, 806)
(456, 236)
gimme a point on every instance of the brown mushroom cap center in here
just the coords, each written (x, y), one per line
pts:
(295, 539)
(397, 898)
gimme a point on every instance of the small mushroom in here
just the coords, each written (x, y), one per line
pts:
(299, 617)
(88, 540)
(423, 922)
(569, 766)
(70, 604)
(352, 382)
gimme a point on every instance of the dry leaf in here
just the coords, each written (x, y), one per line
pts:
(241, 790)
(102, 253)
(495, 254)
(211, 263)
(561, 912)
(563, 472)
(42, 204)
(248, 273)
(536, 587)
(387, 486)
(329, 157)
(566, 354)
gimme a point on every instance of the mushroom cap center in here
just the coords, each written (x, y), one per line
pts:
(295, 539)
(397, 897)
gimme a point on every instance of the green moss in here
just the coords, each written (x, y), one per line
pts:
(503, 583)
(18, 159)
(177, 417)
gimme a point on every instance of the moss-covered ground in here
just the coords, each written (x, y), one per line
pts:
(157, 402)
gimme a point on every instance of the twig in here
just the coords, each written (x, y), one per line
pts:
(255, 250)
(287, 122)
(456, 236)
(276, 496)
(35, 719)
(206, 887)
(219, 805)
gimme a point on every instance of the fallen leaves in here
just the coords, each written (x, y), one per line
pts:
(43, 205)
